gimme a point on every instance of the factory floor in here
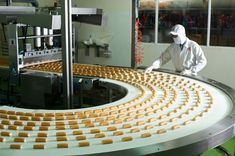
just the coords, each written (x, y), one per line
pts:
(229, 145)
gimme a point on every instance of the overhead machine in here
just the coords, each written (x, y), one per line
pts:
(161, 113)
(34, 36)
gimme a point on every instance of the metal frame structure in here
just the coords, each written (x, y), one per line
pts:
(9, 2)
(19, 60)
(133, 33)
(12, 16)
(17, 11)
(67, 53)
(67, 58)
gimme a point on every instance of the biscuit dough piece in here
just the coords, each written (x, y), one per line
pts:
(47, 118)
(38, 146)
(74, 127)
(2, 126)
(59, 118)
(4, 116)
(40, 139)
(36, 118)
(146, 135)
(6, 122)
(13, 117)
(89, 125)
(60, 133)
(25, 118)
(45, 124)
(39, 114)
(99, 135)
(112, 128)
(77, 132)
(62, 138)
(175, 127)
(62, 145)
(15, 146)
(148, 127)
(187, 122)
(19, 140)
(60, 127)
(2, 139)
(135, 130)
(81, 137)
(125, 126)
(18, 123)
(11, 112)
(72, 117)
(118, 133)
(12, 127)
(107, 141)
(95, 131)
(42, 135)
(73, 122)
(31, 124)
(59, 123)
(8, 134)
(129, 138)
(43, 128)
(28, 128)
(161, 131)
(83, 144)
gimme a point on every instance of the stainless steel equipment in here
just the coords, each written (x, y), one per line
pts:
(43, 50)
(163, 114)
(22, 17)
(9, 2)
(39, 88)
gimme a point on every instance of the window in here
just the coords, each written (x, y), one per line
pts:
(193, 14)
(147, 14)
(222, 23)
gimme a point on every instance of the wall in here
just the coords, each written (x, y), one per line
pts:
(116, 30)
(220, 65)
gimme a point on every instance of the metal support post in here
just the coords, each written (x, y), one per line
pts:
(8, 2)
(14, 55)
(67, 52)
(74, 44)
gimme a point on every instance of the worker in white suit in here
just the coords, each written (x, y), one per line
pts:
(186, 55)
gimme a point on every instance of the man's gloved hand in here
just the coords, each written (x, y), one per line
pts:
(186, 72)
(155, 65)
(148, 70)
(193, 71)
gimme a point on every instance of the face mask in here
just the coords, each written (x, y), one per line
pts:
(179, 39)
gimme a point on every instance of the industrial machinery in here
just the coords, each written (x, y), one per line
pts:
(162, 114)
(30, 42)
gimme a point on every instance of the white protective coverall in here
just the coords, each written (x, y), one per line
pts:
(186, 55)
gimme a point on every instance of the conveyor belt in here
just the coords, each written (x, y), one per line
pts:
(162, 114)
